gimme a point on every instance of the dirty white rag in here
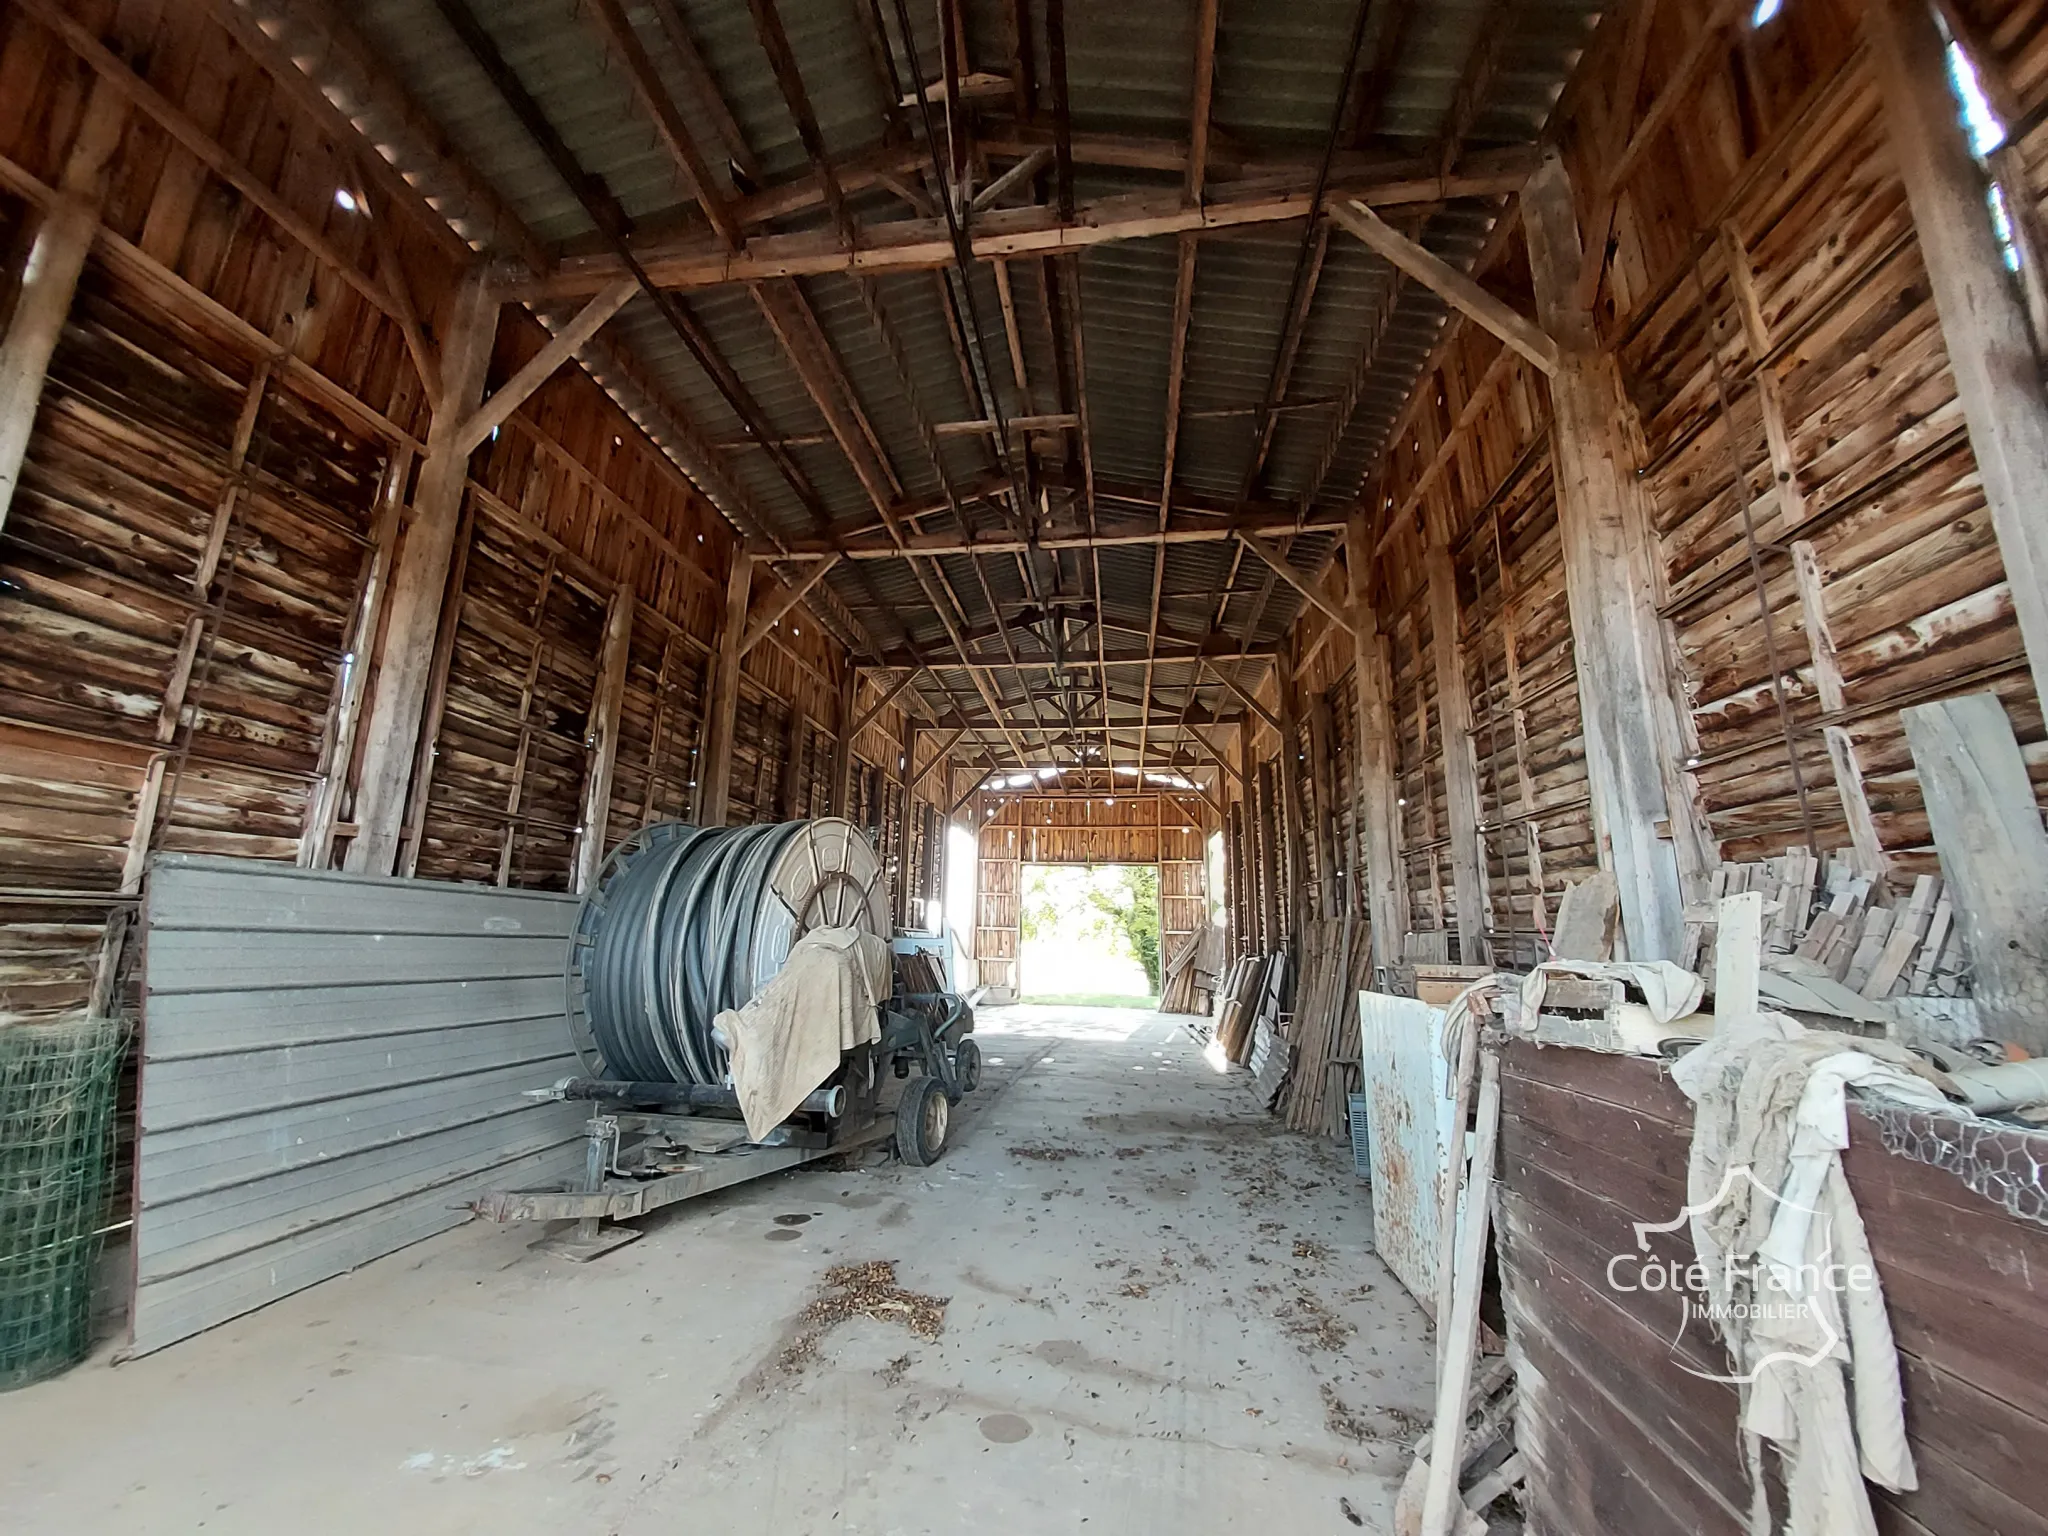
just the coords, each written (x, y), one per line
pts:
(789, 1037)
(1670, 991)
(1770, 1207)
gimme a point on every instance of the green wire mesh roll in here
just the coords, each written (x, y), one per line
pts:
(57, 1088)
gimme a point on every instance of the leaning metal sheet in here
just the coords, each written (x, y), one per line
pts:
(1408, 1126)
(332, 1066)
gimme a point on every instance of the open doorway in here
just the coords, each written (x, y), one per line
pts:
(1089, 935)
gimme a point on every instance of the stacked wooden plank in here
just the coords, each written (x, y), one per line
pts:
(1190, 973)
(1824, 919)
(1336, 964)
(1252, 996)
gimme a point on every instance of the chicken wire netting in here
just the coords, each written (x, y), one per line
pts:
(57, 1090)
(2007, 1164)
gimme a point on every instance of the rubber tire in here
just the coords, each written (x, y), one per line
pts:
(967, 1065)
(923, 1117)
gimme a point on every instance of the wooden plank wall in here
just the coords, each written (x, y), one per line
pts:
(1762, 291)
(1167, 830)
(1621, 1432)
(212, 499)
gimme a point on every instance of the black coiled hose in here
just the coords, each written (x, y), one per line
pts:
(673, 936)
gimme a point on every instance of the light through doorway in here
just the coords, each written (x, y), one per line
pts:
(1089, 934)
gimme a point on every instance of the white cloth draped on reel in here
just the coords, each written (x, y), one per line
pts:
(790, 1036)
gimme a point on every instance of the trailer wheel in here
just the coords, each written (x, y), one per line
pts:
(923, 1116)
(967, 1065)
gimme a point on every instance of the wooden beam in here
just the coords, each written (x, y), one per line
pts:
(1448, 283)
(608, 698)
(714, 764)
(842, 746)
(669, 127)
(1116, 535)
(1292, 831)
(420, 583)
(873, 712)
(1983, 315)
(783, 602)
(344, 716)
(1281, 567)
(912, 245)
(50, 276)
(1626, 693)
(1386, 891)
(1064, 421)
(1461, 769)
(1204, 94)
(1016, 176)
(561, 348)
(1243, 694)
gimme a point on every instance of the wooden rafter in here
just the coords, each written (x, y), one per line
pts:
(914, 245)
(1448, 283)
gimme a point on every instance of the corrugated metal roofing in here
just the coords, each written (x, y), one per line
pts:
(1278, 75)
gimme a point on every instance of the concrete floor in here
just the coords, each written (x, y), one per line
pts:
(1163, 1315)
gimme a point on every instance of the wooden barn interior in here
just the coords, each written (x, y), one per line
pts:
(1530, 515)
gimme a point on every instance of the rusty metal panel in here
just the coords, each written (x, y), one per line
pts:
(1409, 1107)
(332, 1065)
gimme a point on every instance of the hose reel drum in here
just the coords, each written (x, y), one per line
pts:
(685, 922)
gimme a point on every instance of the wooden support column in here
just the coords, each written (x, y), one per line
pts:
(1322, 819)
(789, 784)
(1627, 697)
(1292, 831)
(714, 769)
(50, 278)
(1461, 769)
(1983, 312)
(420, 584)
(842, 747)
(608, 701)
(1386, 896)
(906, 784)
(344, 715)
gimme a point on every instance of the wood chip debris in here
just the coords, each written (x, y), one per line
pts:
(863, 1290)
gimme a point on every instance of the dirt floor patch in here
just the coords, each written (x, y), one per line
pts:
(1046, 1152)
(862, 1290)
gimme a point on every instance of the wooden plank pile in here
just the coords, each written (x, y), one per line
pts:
(1190, 974)
(1251, 996)
(1826, 922)
(1336, 965)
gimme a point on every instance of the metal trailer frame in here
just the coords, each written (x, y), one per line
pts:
(639, 1159)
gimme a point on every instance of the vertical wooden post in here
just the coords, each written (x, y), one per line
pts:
(421, 582)
(1292, 830)
(316, 845)
(906, 775)
(608, 699)
(1386, 897)
(842, 749)
(1461, 769)
(714, 770)
(1626, 694)
(789, 783)
(1983, 314)
(50, 278)
(1323, 813)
